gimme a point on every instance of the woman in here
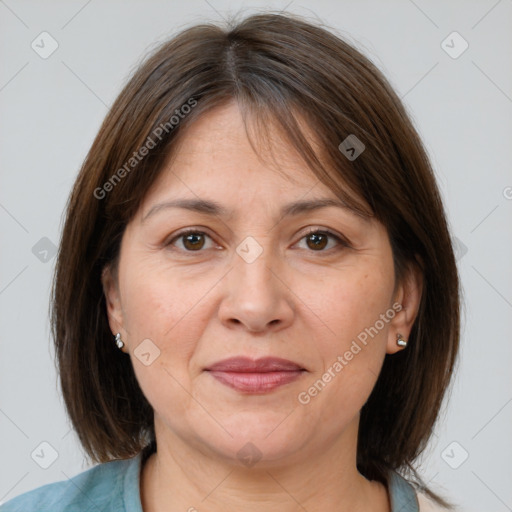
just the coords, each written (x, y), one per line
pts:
(256, 301)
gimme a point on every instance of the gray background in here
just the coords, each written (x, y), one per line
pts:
(52, 108)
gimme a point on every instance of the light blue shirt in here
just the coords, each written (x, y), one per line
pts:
(114, 487)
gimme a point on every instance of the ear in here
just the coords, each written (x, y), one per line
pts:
(113, 302)
(406, 303)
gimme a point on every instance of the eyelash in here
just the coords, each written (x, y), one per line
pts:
(342, 242)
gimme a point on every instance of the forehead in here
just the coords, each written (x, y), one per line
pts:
(216, 161)
(219, 142)
(214, 153)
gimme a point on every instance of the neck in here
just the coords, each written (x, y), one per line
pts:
(179, 477)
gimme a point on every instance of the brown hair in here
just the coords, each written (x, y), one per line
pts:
(284, 69)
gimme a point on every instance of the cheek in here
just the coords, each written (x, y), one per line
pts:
(353, 352)
(149, 307)
(161, 306)
(158, 309)
(357, 300)
(152, 298)
(153, 310)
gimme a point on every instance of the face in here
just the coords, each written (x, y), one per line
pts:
(312, 286)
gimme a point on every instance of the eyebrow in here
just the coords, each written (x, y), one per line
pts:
(214, 208)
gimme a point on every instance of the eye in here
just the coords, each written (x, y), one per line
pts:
(318, 239)
(193, 240)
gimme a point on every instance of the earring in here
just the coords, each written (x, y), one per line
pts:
(400, 341)
(119, 341)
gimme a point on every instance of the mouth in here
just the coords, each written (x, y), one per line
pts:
(255, 376)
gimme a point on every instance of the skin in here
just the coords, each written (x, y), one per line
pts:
(295, 301)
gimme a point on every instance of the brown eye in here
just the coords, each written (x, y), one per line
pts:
(317, 240)
(192, 240)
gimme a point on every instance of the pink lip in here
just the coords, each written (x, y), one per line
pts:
(262, 365)
(260, 376)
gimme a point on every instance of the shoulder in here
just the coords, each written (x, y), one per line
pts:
(101, 487)
(404, 496)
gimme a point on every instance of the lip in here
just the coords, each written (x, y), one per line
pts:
(262, 365)
(255, 376)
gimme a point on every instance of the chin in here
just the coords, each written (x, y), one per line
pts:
(255, 442)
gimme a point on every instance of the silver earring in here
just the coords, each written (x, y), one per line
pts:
(400, 341)
(119, 341)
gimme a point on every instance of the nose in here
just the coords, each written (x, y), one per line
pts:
(256, 297)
